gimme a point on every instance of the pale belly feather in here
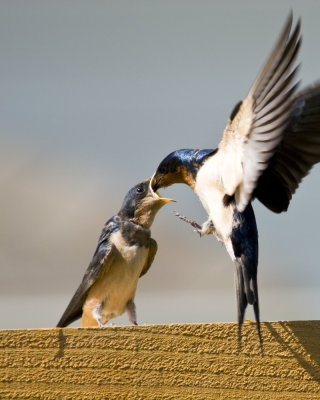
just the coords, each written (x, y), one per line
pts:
(210, 190)
(117, 285)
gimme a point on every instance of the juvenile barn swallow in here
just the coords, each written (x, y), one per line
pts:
(125, 252)
(270, 143)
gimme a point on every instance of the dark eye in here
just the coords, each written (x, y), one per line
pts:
(140, 189)
(162, 170)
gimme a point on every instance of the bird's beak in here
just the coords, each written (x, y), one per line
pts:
(154, 183)
(153, 189)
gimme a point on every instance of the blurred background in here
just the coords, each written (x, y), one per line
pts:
(93, 94)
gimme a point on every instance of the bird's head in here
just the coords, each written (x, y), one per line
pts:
(180, 166)
(142, 203)
(176, 167)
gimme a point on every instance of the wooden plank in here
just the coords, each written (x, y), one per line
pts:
(197, 361)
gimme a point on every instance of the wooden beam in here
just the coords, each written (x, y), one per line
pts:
(196, 361)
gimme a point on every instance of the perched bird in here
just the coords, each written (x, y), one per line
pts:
(270, 143)
(125, 252)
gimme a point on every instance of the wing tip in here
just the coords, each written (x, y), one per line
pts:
(62, 323)
(277, 51)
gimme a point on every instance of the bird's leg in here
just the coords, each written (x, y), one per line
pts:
(97, 316)
(131, 310)
(207, 227)
(197, 227)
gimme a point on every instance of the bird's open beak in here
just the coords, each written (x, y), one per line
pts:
(153, 189)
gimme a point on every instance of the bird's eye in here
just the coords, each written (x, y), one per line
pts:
(162, 170)
(140, 189)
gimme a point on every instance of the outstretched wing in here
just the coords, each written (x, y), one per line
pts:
(257, 125)
(296, 154)
(102, 259)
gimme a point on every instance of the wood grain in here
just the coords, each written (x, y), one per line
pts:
(197, 361)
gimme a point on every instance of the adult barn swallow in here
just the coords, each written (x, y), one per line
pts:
(270, 143)
(124, 253)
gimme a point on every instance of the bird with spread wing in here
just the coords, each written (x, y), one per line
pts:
(270, 143)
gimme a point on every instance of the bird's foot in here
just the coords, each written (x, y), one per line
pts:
(196, 226)
(208, 228)
(97, 317)
(107, 324)
(131, 310)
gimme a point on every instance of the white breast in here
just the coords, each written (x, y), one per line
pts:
(127, 267)
(210, 189)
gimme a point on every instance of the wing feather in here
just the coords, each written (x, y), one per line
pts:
(296, 154)
(252, 136)
(102, 259)
(153, 248)
(281, 69)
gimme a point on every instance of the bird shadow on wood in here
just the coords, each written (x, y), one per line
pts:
(301, 336)
(62, 344)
